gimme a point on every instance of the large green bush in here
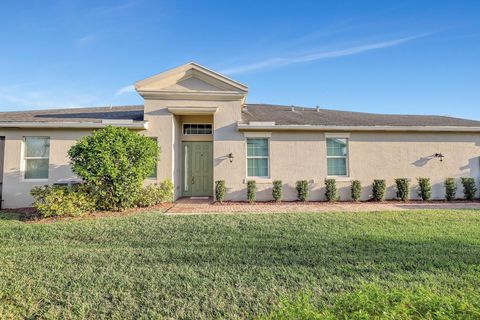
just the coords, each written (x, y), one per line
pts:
(469, 188)
(378, 189)
(302, 190)
(331, 193)
(251, 191)
(425, 188)
(277, 190)
(71, 201)
(154, 194)
(356, 190)
(220, 190)
(450, 189)
(114, 162)
(403, 188)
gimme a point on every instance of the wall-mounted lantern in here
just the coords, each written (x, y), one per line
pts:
(230, 156)
(439, 155)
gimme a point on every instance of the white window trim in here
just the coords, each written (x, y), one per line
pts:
(266, 178)
(347, 157)
(197, 134)
(23, 160)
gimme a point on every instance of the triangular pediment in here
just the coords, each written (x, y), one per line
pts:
(192, 78)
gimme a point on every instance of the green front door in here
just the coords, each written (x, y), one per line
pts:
(197, 169)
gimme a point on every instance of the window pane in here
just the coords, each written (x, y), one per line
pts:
(37, 147)
(337, 167)
(36, 169)
(336, 147)
(197, 128)
(257, 147)
(258, 167)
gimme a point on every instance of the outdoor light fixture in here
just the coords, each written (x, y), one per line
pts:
(230, 156)
(439, 155)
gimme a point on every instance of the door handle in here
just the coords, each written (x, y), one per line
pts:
(193, 180)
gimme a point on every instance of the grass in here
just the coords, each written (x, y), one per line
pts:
(243, 266)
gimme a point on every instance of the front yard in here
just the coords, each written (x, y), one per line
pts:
(238, 266)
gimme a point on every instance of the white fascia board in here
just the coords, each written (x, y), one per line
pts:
(248, 127)
(73, 125)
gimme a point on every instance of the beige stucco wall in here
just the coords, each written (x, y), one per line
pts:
(376, 155)
(16, 190)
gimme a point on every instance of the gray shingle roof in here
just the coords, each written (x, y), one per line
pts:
(96, 115)
(283, 115)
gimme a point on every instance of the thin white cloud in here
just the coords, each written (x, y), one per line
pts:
(85, 41)
(126, 89)
(285, 61)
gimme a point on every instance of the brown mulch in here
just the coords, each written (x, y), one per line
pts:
(31, 215)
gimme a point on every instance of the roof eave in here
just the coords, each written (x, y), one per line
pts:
(249, 127)
(139, 125)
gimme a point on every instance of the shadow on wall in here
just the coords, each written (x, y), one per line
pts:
(16, 190)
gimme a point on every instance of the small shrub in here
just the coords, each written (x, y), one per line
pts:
(450, 189)
(251, 191)
(302, 190)
(469, 188)
(155, 194)
(277, 190)
(356, 190)
(331, 193)
(53, 201)
(425, 188)
(402, 188)
(220, 190)
(378, 190)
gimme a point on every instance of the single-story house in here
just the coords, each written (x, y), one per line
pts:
(207, 132)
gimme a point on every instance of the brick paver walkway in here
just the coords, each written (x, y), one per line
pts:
(189, 206)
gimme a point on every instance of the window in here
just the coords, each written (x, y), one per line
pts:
(36, 157)
(153, 174)
(257, 157)
(337, 156)
(197, 128)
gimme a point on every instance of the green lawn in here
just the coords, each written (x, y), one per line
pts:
(238, 266)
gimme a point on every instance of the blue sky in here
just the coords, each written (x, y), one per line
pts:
(419, 57)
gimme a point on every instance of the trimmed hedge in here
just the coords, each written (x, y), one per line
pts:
(425, 188)
(220, 190)
(73, 201)
(378, 189)
(277, 190)
(155, 194)
(302, 190)
(331, 193)
(356, 190)
(402, 188)
(469, 188)
(450, 189)
(251, 191)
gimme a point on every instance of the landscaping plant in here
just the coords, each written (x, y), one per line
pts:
(331, 193)
(378, 189)
(53, 201)
(302, 190)
(155, 194)
(277, 190)
(220, 190)
(402, 188)
(450, 189)
(356, 190)
(469, 188)
(114, 162)
(251, 191)
(425, 188)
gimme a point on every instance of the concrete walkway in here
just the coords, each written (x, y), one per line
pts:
(190, 206)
